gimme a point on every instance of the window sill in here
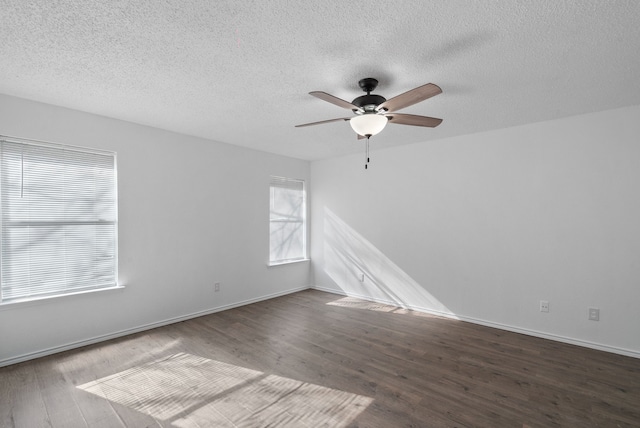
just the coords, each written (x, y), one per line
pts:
(14, 304)
(287, 262)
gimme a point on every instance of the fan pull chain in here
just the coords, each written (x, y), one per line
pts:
(366, 164)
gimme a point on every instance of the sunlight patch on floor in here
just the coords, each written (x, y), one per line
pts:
(191, 391)
(355, 303)
(352, 302)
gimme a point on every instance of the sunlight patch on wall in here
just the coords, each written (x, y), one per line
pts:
(191, 391)
(348, 256)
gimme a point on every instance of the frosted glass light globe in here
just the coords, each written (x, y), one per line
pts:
(368, 124)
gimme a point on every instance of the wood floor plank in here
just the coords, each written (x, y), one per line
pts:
(369, 364)
(62, 409)
(27, 408)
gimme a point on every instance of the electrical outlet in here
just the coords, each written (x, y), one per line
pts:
(594, 314)
(544, 306)
(216, 287)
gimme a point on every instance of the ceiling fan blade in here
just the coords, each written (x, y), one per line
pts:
(322, 121)
(414, 120)
(334, 100)
(411, 97)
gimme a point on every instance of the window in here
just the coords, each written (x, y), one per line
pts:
(59, 220)
(287, 221)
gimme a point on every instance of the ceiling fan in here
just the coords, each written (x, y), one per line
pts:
(373, 112)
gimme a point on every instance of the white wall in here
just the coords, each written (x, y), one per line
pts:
(484, 226)
(191, 212)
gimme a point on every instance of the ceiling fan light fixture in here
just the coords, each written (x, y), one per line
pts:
(368, 124)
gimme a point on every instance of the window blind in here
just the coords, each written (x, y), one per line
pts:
(287, 220)
(59, 220)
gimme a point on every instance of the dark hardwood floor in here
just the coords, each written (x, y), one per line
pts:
(313, 359)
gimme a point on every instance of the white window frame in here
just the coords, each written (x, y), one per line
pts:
(70, 226)
(284, 182)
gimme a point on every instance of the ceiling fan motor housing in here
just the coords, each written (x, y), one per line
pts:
(368, 102)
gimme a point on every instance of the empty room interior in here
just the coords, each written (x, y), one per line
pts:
(320, 214)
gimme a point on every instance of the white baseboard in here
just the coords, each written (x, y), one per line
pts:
(104, 337)
(528, 332)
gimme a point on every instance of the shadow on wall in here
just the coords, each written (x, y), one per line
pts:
(361, 270)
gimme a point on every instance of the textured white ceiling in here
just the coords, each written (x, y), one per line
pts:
(240, 71)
